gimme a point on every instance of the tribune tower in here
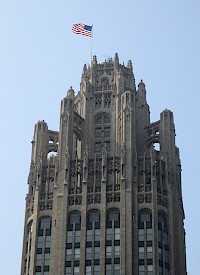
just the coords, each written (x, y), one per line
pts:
(104, 194)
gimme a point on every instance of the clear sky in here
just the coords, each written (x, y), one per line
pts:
(40, 58)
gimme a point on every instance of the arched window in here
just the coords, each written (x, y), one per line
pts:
(43, 246)
(75, 218)
(93, 218)
(113, 242)
(73, 243)
(145, 248)
(163, 246)
(113, 217)
(93, 243)
(102, 133)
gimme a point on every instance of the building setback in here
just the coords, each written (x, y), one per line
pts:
(109, 200)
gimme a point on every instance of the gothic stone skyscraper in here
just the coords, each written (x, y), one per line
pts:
(109, 201)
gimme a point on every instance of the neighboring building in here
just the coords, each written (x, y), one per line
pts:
(109, 201)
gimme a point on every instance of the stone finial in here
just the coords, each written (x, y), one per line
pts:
(141, 85)
(116, 58)
(129, 65)
(94, 60)
(141, 82)
(70, 92)
(84, 69)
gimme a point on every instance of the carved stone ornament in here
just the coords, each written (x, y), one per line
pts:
(67, 157)
(127, 114)
(65, 117)
(85, 153)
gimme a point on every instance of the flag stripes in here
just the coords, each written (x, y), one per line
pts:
(82, 29)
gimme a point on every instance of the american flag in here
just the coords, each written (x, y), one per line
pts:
(82, 29)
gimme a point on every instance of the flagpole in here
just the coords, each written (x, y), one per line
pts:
(91, 46)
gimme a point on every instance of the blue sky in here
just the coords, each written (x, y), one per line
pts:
(40, 58)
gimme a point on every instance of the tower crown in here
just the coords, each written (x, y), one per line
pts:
(108, 201)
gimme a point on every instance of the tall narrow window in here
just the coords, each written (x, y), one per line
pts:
(73, 244)
(102, 133)
(92, 260)
(43, 247)
(145, 249)
(163, 247)
(113, 243)
(28, 247)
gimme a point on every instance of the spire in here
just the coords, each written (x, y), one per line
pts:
(94, 60)
(141, 86)
(84, 69)
(129, 65)
(70, 93)
(141, 93)
(116, 60)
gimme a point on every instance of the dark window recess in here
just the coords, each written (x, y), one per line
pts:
(167, 265)
(76, 263)
(38, 268)
(47, 250)
(140, 225)
(141, 262)
(48, 232)
(117, 224)
(70, 227)
(69, 245)
(96, 261)
(149, 261)
(141, 244)
(39, 250)
(89, 225)
(159, 226)
(117, 242)
(166, 247)
(149, 243)
(97, 225)
(46, 268)
(77, 245)
(68, 263)
(108, 261)
(40, 232)
(117, 260)
(165, 229)
(108, 243)
(149, 225)
(97, 244)
(109, 224)
(160, 263)
(88, 244)
(77, 226)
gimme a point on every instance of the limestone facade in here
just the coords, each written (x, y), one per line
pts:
(104, 192)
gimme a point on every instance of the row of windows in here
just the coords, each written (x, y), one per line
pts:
(112, 235)
(94, 217)
(92, 252)
(145, 249)
(95, 270)
(43, 247)
(163, 248)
